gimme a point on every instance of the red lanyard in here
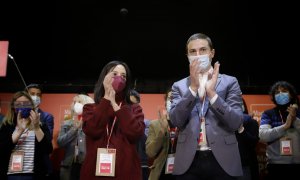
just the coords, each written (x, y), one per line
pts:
(172, 135)
(111, 130)
(22, 139)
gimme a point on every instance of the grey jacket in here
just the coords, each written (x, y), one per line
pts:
(223, 118)
(68, 138)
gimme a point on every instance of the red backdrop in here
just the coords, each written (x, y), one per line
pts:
(59, 106)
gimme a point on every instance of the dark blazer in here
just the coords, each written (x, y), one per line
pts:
(48, 119)
(223, 118)
(248, 140)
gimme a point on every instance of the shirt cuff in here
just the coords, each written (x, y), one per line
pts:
(241, 129)
(193, 93)
(213, 100)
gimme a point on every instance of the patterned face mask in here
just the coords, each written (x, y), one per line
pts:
(36, 100)
(25, 111)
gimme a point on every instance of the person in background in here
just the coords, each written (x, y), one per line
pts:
(248, 137)
(24, 141)
(280, 129)
(161, 144)
(207, 109)
(1, 115)
(113, 126)
(72, 139)
(35, 91)
(135, 98)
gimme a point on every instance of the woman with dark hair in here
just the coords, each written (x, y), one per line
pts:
(280, 129)
(113, 126)
(24, 141)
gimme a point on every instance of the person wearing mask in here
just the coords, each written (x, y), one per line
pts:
(135, 98)
(113, 126)
(35, 91)
(207, 109)
(161, 144)
(280, 129)
(72, 139)
(24, 141)
(248, 137)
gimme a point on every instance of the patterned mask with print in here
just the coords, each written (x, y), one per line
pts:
(25, 111)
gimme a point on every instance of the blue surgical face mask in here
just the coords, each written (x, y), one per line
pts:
(282, 98)
(204, 60)
(25, 112)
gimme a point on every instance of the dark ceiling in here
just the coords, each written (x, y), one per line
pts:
(65, 45)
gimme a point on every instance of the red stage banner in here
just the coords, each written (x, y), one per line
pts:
(3, 57)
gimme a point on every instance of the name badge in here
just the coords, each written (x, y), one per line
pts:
(106, 159)
(16, 163)
(202, 139)
(286, 147)
(170, 164)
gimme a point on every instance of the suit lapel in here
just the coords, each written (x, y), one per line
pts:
(206, 104)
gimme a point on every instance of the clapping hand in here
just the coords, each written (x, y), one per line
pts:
(35, 119)
(21, 122)
(212, 81)
(292, 109)
(77, 123)
(194, 75)
(109, 90)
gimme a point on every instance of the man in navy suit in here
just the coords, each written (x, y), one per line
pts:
(207, 109)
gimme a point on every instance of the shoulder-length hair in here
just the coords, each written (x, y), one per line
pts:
(285, 85)
(99, 88)
(10, 115)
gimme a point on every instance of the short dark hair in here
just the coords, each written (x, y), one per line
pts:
(34, 85)
(200, 36)
(134, 93)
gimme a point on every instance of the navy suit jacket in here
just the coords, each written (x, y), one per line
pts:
(223, 118)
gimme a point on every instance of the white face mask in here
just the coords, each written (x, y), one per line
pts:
(36, 100)
(78, 108)
(204, 61)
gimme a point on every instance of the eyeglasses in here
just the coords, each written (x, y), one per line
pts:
(18, 104)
